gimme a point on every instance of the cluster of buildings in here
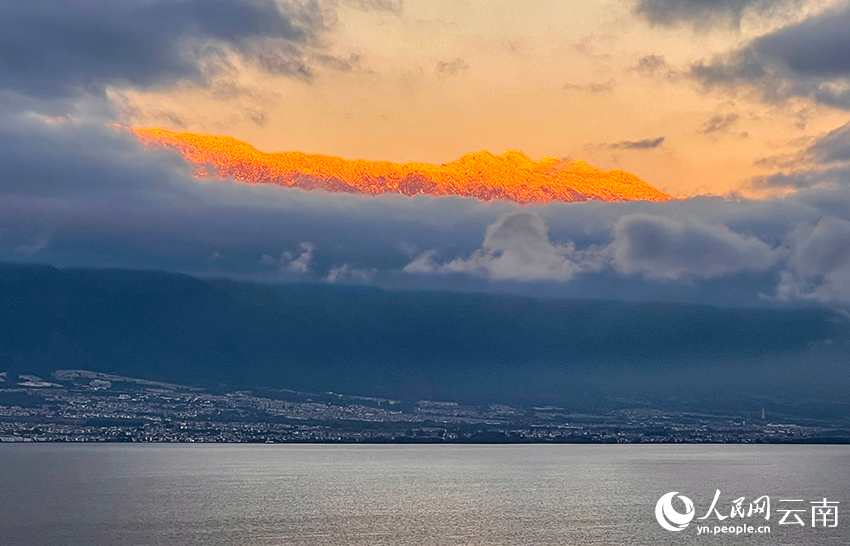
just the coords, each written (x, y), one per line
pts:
(84, 406)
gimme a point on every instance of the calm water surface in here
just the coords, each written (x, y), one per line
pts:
(109, 495)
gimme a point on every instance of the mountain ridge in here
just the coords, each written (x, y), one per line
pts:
(512, 175)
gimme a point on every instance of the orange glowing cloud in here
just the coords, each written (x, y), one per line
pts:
(512, 175)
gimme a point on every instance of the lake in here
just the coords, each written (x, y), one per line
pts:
(581, 495)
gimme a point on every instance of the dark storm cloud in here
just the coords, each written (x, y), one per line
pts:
(56, 49)
(704, 12)
(807, 59)
(645, 144)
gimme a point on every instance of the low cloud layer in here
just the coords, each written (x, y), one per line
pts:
(290, 262)
(819, 268)
(516, 247)
(673, 249)
(86, 195)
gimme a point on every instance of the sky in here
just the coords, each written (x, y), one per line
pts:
(742, 106)
(432, 80)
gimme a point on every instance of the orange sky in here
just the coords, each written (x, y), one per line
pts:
(443, 78)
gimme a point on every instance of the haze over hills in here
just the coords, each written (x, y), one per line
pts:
(417, 345)
(512, 175)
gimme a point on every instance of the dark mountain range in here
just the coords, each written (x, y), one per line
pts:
(412, 345)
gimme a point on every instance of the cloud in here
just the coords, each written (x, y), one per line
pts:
(703, 13)
(54, 49)
(806, 59)
(516, 247)
(645, 144)
(292, 262)
(347, 273)
(452, 68)
(593, 88)
(394, 6)
(720, 123)
(834, 147)
(649, 65)
(667, 248)
(424, 263)
(826, 163)
(819, 268)
(298, 263)
(812, 177)
(656, 66)
(77, 194)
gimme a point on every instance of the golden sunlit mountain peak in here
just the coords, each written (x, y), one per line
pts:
(483, 175)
